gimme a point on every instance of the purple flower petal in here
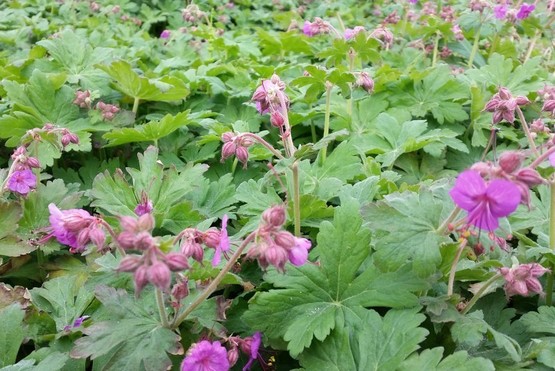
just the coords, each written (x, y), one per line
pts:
(468, 186)
(503, 197)
(206, 356)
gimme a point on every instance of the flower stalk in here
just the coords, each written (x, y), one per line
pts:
(323, 151)
(161, 307)
(480, 292)
(550, 277)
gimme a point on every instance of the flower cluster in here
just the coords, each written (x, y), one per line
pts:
(352, 32)
(502, 11)
(83, 99)
(108, 111)
(192, 13)
(153, 265)
(192, 240)
(522, 279)
(318, 27)
(503, 105)
(270, 95)
(274, 246)
(20, 178)
(236, 144)
(76, 228)
(365, 81)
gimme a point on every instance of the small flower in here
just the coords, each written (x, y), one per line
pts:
(319, 26)
(352, 32)
(503, 105)
(145, 206)
(270, 95)
(500, 11)
(223, 244)
(165, 34)
(522, 279)
(298, 255)
(22, 181)
(485, 202)
(75, 228)
(206, 356)
(525, 11)
(365, 81)
(251, 347)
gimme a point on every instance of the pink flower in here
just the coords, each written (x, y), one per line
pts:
(485, 202)
(165, 34)
(298, 255)
(206, 356)
(525, 10)
(145, 206)
(224, 242)
(319, 26)
(252, 345)
(270, 94)
(67, 225)
(503, 105)
(500, 11)
(22, 181)
(523, 279)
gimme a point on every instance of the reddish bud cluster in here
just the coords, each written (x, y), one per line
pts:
(522, 279)
(108, 110)
(83, 98)
(503, 105)
(236, 145)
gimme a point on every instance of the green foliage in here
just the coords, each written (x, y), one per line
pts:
(11, 333)
(128, 337)
(309, 302)
(430, 359)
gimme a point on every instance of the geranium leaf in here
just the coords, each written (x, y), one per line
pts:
(311, 301)
(430, 360)
(11, 333)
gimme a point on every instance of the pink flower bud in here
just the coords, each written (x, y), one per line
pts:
(191, 248)
(143, 241)
(146, 222)
(65, 140)
(211, 238)
(98, 237)
(549, 106)
(276, 119)
(504, 93)
(529, 176)
(274, 216)
(176, 262)
(228, 136)
(76, 220)
(129, 224)
(242, 155)
(233, 356)
(365, 82)
(228, 150)
(180, 290)
(284, 239)
(510, 161)
(33, 162)
(298, 255)
(276, 256)
(140, 278)
(130, 263)
(159, 275)
(126, 240)
(522, 100)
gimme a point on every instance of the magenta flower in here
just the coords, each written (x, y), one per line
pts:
(145, 206)
(223, 244)
(352, 32)
(319, 26)
(254, 345)
(298, 255)
(206, 356)
(165, 34)
(500, 11)
(22, 181)
(270, 95)
(485, 202)
(67, 225)
(523, 279)
(525, 11)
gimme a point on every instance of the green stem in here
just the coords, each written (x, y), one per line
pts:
(351, 54)
(214, 284)
(474, 48)
(453, 270)
(323, 151)
(494, 44)
(531, 46)
(480, 292)
(436, 46)
(296, 199)
(162, 308)
(136, 105)
(443, 227)
(268, 146)
(527, 131)
(549, 284)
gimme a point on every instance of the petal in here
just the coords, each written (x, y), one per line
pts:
(224, 239)
(503, 197)
(482, 217)
(468, 187)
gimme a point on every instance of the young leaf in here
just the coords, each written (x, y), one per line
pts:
(311, 301)
(11, 333)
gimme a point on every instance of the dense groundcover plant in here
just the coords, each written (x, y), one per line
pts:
(277, 185)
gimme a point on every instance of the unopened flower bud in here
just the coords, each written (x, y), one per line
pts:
(276, 119)
(98, 237)
(276, 256)
(180, 290)
(284, 239)
(228, 136)
(504, 93)
(242, 155)
(146, 222)
(274, 216)
(140, 278)
(129, 263)
(522, 100)
(233, 356)
(176, 262)
(159, 275)
(211, 238)
(129, 224)
(143, 241)
(228, 150)
(510, 161)
(529, 176)
(126, 240)
(33, 162)
(365, 82)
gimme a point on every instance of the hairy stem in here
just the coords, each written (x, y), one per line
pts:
(474, 48)
(443, 227)
(480, 292)
(549, 284)
(527, 131)
(323, 151)
(268, 146)
(213, 285)
(296, 199)
(436, 46)
(161, 308)
(453, 270)
(136, 105)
